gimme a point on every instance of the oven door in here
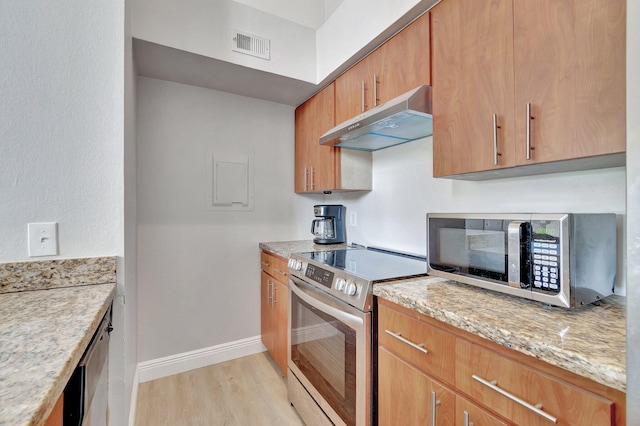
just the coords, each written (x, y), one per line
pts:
(330, 354)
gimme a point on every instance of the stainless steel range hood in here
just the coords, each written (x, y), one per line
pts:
(402, 119)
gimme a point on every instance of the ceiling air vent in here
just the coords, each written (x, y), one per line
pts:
(250, 44)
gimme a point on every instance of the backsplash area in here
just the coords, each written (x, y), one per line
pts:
(393, 214)
(56, 273)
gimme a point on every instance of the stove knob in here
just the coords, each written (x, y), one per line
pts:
(340, 283)
(296, 265)
(350, 289)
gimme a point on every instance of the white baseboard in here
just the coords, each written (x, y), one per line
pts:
(179, 363)
(134, 396)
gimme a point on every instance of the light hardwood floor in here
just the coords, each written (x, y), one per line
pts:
(244, 391)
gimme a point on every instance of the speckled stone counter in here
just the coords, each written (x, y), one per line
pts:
(43, 274)
(49, 311)
(589, 341)
(286, 248)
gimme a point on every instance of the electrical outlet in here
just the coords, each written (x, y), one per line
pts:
(43, 239)
(353, 219)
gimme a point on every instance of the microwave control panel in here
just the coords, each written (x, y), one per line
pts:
(545, 250)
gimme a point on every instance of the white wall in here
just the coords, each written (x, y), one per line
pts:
(633, 210)
(61, 133)
(352, 26)
(393, 214)
(198, 269)
(129, 265)
(61, 86)
(205, 28)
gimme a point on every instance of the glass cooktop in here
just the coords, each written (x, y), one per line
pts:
(371, 265)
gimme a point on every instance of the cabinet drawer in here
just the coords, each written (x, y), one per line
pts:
(279, 269)
(427, 347)
(275, 266)
(266, 262)
(513, 390)
(468, 414)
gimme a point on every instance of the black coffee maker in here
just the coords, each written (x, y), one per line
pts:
(329, 228)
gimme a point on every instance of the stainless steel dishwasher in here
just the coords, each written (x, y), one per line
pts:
(85, 396)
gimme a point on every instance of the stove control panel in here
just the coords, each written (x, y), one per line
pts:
(341, 284)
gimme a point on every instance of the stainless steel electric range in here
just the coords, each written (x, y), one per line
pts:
(331, 330)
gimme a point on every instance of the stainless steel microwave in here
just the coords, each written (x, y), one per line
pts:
(565, 260)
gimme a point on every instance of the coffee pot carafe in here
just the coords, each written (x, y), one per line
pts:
(329, 227)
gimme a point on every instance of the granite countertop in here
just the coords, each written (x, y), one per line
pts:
(286, 248)
(589, 341)
(49, 311)
(43, 334)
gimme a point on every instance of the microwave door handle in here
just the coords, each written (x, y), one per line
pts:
(514, 237)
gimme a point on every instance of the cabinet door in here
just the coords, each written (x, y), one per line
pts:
(470, 414)
(403, 62)
(405, 395)
(315, 164)
(266, 313)
(472, 81)
(570, 67)
(280, 318)
(303, 146)
(506, 386)
(354, 90)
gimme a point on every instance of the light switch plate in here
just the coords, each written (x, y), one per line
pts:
(43, 239)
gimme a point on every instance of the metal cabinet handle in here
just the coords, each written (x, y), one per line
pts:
(418, 346)
(535, 408)
(495, 139)
(265, 264)
(362, 92)
(434, 403)
(274, 291)
(279, 271)
(306, 175)
(466, 419)
(270, 291)
(313, 178)
(375, 90)
(529, 118)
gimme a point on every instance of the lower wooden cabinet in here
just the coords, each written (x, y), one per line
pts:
(56, 416)
(274, 303)
(408, 397)
(493, 384)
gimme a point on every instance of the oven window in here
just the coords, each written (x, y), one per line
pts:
(324, 349)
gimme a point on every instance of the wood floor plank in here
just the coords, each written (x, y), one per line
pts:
(243, 391)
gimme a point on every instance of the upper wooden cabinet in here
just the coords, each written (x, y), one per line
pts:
(528, 82)
(324, 168)
(400, 64)
(315, 164)
(404, 61)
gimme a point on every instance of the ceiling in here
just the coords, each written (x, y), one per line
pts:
(167, 63)
(308, 13)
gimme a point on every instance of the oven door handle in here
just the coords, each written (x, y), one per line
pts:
(310, 295)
